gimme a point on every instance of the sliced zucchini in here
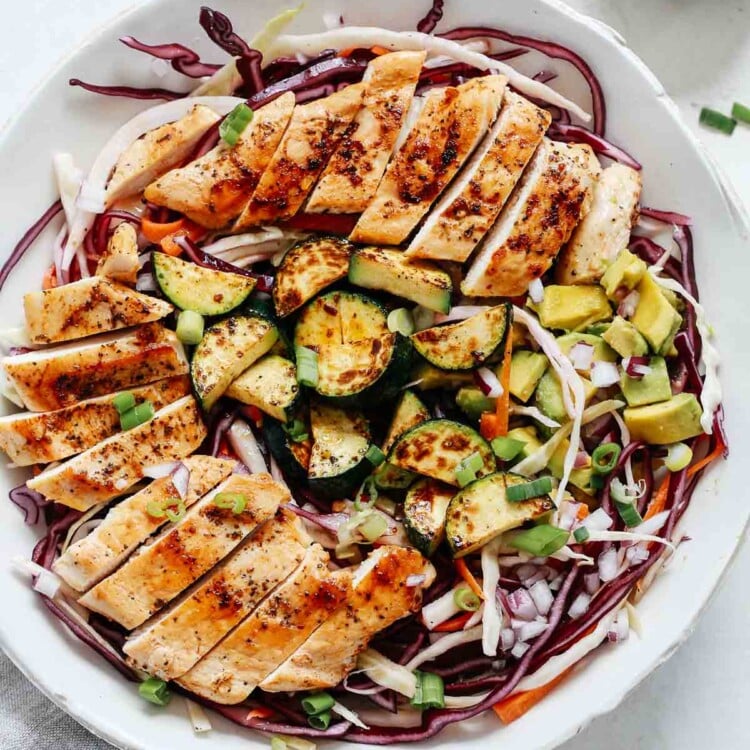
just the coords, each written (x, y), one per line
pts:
(360, 362)
(292, 457)
(308, 268)
(427, 377)
(425, 507)
(270, 384)
(203, 290)
(391, 271)
(338, 463)
(436, 447)
(226, 350)
(480, 512)
(468, 344)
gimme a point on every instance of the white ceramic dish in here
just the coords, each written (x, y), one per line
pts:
(677, 176)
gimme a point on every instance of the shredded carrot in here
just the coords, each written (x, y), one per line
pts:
(710, 458)
(463, 570)
(155, 231)
(495, 425)
(377, 50)
(49, 280)
(259, 713)
(454, 624)
(659, 500)
(188, 229)
(583, 511)
(515, 706)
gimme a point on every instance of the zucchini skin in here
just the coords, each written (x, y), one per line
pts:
(425, 508)
(279, 444)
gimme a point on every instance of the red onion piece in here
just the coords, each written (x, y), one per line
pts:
(604, 374)
(591, 582)
(542, 596)
(522, 605)
(181, 479)
(488, 382)
(582, 460)
(328, 521)
(580, 606)
(536, 291)
(626, 308)
(159, 471)
(607, 564)
(636, 367)
(530, 630)
(582, 356)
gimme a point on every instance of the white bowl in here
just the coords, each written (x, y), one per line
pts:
(677, 176)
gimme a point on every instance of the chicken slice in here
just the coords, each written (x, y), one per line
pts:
(129, 523)
(378, 595)
(53, 378)
(313, 133)
(213, 189)
(553, 196)
(470, 206)
(235, 667)
(119, 261)
(157, 152)
(180, 636)
(352, 176)
(39, 438)
(605, 231)
(449, 127)
(87, 307)
(160, 571)
(117, 463)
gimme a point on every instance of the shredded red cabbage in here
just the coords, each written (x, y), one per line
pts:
(182, 59)
(432, 19)
(666, 217)
(129, 92)
(30, 502)
(576, 134)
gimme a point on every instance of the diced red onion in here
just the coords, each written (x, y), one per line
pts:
(492, 389)
(626, 308)
(541, 593)
(536, 291)
(582, 460)
(607, 564)
(181, 479)
(580, 606)
(531, 630)
(415, 580)
(636, 367)
(636, 554)
(591, 582)
(245, 445)
(539, 575)
(652, 525)
(582, 356)
(620, 627)
(568, 514)
(159, 471)
(47, 583)
(604, 374)
(522, 605)
(519, 649)
(526, 571)
(599, 520)
(507, 639)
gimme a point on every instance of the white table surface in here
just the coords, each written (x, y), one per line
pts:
(700, 49)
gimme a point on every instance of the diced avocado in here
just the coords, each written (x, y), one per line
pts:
(526, 370)
(623, 275)
(603, 352)
(549, 397)
(573, 307)
(428, 377)
(649, 389)
(666, 422)
(528, 436)
(581, 478)
(624, 338)
(473, 402)
(654, 317)
(519, 336)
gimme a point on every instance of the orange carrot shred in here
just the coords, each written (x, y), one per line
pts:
(583, 511)
(515, 706)
(463, 570)
(454, 624)
(155, 231)
(49, 280)
(710, 458)
(259, 713)
(659, 500)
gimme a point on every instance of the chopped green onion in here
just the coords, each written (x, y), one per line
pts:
(717, 120)
(156, 509)
(136, 416)
(581, 534)
(678, 457)
(506, 448)
(190, 327)
(278, 744)
(373, 527)
(234, 123)
(175, 512)
(401, 321)
(597, 481)
(741, 112)
(367, 495)
(605, 457)
(320, 721)
(155, 691)
(374, 455)
(467, 468)
(307, 366)
(429, 692)
(628, 512)
(317, 703)
(598, 328)
(517, 493)
(234, 500)
(296, 431)
(541, 541)
(123, 401)
(465, 599)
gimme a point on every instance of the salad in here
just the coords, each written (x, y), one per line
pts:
(361, 396)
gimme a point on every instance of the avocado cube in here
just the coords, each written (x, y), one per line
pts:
(624, 338)
(549, 398)
(428, 377)
(581, 478)
(654, 317)
(602, 350)
(572, 307)
(526, 370)
(473, 402)
(528, 436)
(649, 389)
(666, 422)
(623, 275)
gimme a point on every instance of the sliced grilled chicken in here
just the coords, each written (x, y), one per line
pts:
(38, 438)
(184, 552)
(450, 125)
(129, 523)
(235, 667)
(119, 261)
(605, 231)
(472, 203)
(171, 644)
(158, 151)
(313, 133)
(53, 378)
(87, 307)
(213, 189)
(554, 195)
(378, 596)
(351, 178)
(117, 463)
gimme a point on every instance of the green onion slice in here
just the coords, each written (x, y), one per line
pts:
(605, 458)
(156, 508)
(401, 321)
(581, 534)
(155, 691)
(297, 431)
(741, 112)
(373, 527)
(176, 511)
(465, 599)
(517, 493)
(307, 366)
(678, 457)
(541, 541)
(123, 401)
(320, 721)
(505, 448)
(713, 119)
(628, 512)
(190, 327)
(467, 468)
(317, 703)
(234, 500)
(234, 123)
(138, 415)
(367, 495)
(429, 692)
(374, 455)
